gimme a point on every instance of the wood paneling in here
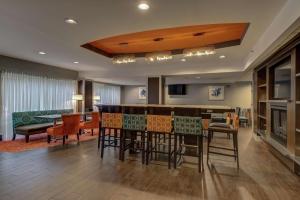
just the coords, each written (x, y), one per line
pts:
(88, 95)
(153, 90)
(171, 39)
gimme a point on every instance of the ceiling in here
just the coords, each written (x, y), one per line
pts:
(30, 26)
(171, 39)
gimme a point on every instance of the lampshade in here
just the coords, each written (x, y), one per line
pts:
(78, 97)
(97, 98)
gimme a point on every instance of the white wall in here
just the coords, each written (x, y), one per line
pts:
(236, 95)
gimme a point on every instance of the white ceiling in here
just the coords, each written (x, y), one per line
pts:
(27, 27)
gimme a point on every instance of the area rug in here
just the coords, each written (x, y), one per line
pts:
(40, 141)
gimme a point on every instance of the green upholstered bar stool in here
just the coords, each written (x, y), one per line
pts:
(134, 134)
(188, 128)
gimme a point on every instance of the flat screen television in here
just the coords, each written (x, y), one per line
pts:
(178, 89)
(282, 80)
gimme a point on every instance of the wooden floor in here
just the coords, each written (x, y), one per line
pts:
(77, 172)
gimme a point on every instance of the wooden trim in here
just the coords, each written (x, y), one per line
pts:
(262, 117)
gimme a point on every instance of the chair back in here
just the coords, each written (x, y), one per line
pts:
(159, 123)
(135, 122)
(188, 125)
(236, 121)
(71, 124)
(95, 119)
(112, 120)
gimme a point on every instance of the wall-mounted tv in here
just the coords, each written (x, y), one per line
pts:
(178, 89)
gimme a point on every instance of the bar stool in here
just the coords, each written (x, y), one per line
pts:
(159, 123)
(188, 128)
(230, 130)
(134, 125)
(113, 121)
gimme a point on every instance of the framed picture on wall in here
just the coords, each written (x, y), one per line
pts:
(142, 92)
(216, 93)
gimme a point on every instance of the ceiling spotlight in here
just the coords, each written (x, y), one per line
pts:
(76, 62)
(143, 6)
(42, 53)
(222, 56)
(71, 21)
(183, 59)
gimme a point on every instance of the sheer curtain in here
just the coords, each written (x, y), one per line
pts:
(22, 92)
(109, 94)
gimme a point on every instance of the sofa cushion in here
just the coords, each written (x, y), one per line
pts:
(33, 128)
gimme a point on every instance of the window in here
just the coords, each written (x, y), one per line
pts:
(109, 94)
(22, 92)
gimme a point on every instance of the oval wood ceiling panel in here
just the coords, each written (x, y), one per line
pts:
(171, 39)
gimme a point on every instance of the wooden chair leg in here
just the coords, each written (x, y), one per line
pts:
(175, 151)
(169, 152)
(92, 132)
(209, 135)
(48, 139)
(78, 137)
(143, 147)
(99, 138)
(14, 137)
(235, 137)
(122, 146)
(102, 132)
(64, 140)
(27, 138)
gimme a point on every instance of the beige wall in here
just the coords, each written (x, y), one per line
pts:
(24, 66)
(236, 95)
(130, 95)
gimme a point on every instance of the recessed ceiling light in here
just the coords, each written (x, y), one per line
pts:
(183, 59)
(143, 6)
(42, 52)
(222, 56)
(71, 21)
(76, 62)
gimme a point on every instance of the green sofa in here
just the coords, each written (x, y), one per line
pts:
(26, 123)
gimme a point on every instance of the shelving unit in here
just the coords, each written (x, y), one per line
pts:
(262, 100)
(266, 101)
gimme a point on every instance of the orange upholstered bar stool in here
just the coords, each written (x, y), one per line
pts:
(93, 124)
(159, 123)
(70, 126)
(111, 120)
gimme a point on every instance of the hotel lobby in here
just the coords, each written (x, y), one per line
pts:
(150, 99)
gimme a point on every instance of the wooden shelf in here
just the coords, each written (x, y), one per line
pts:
(298, 75)
(262, 85)
(262, 101)
(297, 102)
(278, 101)
(262, 117)
(297, 130)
